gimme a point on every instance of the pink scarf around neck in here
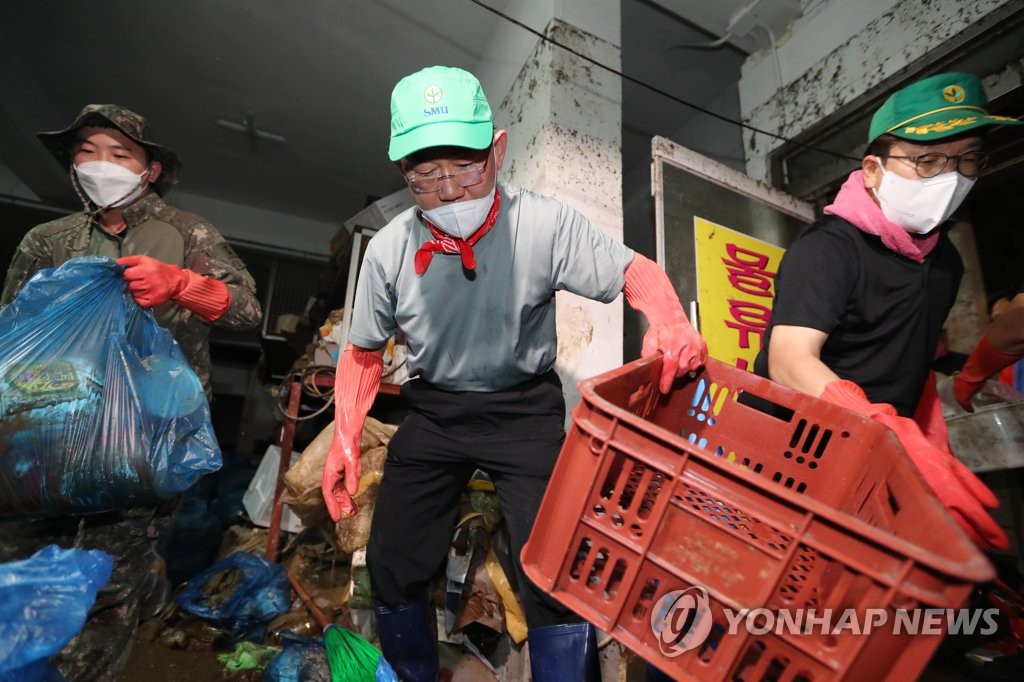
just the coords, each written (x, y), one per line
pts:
(855, 205)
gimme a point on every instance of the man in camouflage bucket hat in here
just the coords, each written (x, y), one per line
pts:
(59, 142)
(175, 262)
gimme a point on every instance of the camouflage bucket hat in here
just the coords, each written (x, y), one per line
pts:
(133, 125)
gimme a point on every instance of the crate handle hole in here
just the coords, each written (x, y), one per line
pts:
(645, 598)
(765, 406)
(710, 646)
(893, 503)
(611, 589)
(582, 552)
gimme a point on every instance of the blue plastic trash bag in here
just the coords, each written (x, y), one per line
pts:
(192, 542)
(303, 659)
(262, 594)
(43, 604)
(99, 409)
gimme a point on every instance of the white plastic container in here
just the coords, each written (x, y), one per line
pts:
(259, 497)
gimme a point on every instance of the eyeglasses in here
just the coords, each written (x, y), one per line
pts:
(930, 165)
(465, 175)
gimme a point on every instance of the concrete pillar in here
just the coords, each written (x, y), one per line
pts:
(563, 115)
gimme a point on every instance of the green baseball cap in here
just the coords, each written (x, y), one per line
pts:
(136, 127)
(439, 106)
(939, 106)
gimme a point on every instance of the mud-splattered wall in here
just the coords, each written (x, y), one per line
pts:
(833, 56)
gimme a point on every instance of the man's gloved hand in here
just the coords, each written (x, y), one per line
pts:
(983, 362)
(963, 494)
(355, 387)
(648, 290)
(683, 349)
(152, 283)
(851, 396)
(342, 461)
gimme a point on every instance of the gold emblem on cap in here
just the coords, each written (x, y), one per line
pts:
(941, 126)
(954, 94)
(432, 94)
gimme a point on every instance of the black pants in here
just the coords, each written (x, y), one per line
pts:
(514, 435)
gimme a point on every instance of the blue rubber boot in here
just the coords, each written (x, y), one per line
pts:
(564, 652)
(408, 641)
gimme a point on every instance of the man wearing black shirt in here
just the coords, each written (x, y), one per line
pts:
(862, 294)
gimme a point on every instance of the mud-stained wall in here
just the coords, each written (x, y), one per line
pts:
(833, 57)
(564, 116)
(969, 316)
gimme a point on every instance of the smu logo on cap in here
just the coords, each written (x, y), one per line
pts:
(433, 95)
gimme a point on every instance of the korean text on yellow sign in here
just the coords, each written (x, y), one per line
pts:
(735, 287)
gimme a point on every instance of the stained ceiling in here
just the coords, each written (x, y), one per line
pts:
(282, 105)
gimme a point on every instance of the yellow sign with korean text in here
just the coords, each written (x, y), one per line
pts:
(735, 288)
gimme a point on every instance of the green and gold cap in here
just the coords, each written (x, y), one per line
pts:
(939, 106)
(439, 106)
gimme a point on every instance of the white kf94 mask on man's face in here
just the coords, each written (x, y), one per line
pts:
(461, 218)
(920, 205)
(110, 185)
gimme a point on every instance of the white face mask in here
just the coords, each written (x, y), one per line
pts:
(462, 218)
(921, 205)
(110, 185)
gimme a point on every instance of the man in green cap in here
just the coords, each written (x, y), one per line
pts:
(175, 262)
(862, 295)
(469, 275)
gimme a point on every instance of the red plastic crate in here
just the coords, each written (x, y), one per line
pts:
(795, 504)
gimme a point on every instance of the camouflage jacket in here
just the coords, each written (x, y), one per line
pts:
(165, 233)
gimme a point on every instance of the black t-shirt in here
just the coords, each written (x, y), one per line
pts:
(883, 312)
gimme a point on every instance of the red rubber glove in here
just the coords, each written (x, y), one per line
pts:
(355, 387)
(983, 362)
(648, 290)
(929, 415)
(959, 489)
(851, 396)
(152, 283)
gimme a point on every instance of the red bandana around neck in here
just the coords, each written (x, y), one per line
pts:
(443, 242)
